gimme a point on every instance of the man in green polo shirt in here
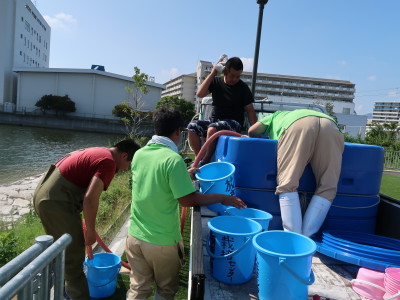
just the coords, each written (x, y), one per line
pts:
(304, 136)
(160, 183)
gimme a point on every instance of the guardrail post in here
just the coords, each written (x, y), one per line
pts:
(19, 262)
(32, 279)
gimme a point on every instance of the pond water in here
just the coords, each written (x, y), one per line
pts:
(28, 151)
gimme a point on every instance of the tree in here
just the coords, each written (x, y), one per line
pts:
(130, 110)
(329, 108)
(185, 107)
(385, 135)
(60, 104)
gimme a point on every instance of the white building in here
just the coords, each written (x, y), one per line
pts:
(386, 112)
(94, 92)
(285, 88)
(183, 86)
(25, 37)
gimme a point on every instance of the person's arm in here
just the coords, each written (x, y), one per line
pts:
(251, 113)
(199, 199)
(90, 207)
(257, 130)
(203, 89)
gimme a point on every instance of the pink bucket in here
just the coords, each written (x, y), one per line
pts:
(392, 283)
(369, 284)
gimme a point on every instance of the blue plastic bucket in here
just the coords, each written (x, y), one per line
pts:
(217, 178)
(232, 254)
(101, 273)
(284, 262)
(260, 216)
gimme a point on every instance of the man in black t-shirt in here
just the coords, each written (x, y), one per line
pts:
(231, 98)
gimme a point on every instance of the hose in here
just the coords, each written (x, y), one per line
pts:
(89, 249)
(199, 156)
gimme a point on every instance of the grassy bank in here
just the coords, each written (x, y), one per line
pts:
(21, 236)
(390, 186)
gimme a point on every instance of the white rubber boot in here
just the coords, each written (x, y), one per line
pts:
(315, 215)
(290, 212)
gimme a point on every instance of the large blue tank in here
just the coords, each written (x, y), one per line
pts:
(256, 180)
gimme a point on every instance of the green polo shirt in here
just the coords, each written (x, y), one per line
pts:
(279, 121)
(159, 178)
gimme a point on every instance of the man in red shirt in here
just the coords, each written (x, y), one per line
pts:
(72, 185)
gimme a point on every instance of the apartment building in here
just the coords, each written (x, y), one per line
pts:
(25, 37)
(285, 88)
(183, 86)
(386, 112)
(278, 88)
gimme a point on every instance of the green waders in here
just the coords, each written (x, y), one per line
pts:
(58, 203)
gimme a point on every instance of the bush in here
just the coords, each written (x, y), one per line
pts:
(60, 104)
(185, 107)
(9, 247)
(125, 110)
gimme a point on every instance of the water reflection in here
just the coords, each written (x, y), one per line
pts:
(27, 151)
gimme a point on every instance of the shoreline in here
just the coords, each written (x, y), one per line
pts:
(16, 198)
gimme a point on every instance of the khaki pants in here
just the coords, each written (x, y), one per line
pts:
(311, 140)
(153, 263)
(58, 204)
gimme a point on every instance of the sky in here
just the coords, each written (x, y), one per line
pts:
(350, 40)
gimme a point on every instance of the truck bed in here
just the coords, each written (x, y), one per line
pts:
(332, 277)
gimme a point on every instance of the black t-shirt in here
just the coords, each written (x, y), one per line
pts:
(229, 101)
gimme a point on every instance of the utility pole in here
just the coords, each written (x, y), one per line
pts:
(260, 17)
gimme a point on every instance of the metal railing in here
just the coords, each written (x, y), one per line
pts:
(392, 160)
(33, 273)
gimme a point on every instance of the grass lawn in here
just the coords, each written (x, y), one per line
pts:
(390, 186)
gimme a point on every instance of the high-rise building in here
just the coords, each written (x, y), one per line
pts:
(277, 88)
(386, 112)
(338, 94)
(183, 86)
(25, 37)
(286, 88)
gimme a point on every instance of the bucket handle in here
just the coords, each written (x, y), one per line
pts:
(95, 285)
(226, 255)
(368, 283)
(309, 281)
(209, 188)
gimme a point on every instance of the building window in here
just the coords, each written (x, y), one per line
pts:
(27, 26)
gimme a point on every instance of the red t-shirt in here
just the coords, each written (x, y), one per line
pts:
(80, 166)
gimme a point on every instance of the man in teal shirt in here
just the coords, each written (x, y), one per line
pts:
(304, 136)
(160, 183)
